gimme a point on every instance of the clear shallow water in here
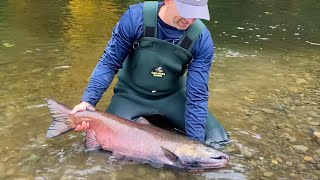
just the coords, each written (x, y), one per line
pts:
(264, 87)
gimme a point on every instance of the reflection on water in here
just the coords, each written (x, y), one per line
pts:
(264, 87)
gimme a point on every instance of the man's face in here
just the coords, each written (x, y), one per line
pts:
(173, 15)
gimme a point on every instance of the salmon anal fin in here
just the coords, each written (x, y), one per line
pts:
(91, 141)
(143, 120)
(116, 157)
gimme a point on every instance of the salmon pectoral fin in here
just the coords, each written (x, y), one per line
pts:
(91, 141)
(61, 123)
(169, 155)
(143, 120)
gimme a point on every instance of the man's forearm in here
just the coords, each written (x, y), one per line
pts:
(100, 80)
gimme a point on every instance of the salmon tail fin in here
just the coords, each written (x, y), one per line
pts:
(61, 123)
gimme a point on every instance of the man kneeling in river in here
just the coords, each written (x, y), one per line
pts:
(155, 43)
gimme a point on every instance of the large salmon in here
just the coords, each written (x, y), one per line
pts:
(138, 140)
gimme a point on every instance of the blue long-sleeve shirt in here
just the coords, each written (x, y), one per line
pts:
(130, 28)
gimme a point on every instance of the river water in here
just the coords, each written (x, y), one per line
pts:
(264, 87)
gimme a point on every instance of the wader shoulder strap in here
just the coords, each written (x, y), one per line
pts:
(192, 34)
(150, 18)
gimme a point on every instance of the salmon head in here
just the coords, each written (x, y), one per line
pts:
(197, 156)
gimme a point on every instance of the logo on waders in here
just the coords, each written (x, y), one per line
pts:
(158, 72)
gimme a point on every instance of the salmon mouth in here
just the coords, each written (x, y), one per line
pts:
(210, 163)
(216, 162)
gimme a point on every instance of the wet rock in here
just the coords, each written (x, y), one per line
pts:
(141, 171)
(314, 123)
(6, 159)
(292, 139)
(279, 126)
(248, 112)
(300, 148)
(262, 169)
(301, 167)
(268, 111)
(231, 148)
(313, 114)
(291, 116)
(293, 89)
(247, 98)
(41, 139)
(246, 153)
(308, 159)
(288, 130)
(316, 172)
(293, 174)
(288, 163)
(313, 103)
(23, 177)
(301, 81)
(290, 126)
(274, 162)
(2, 171)
(167, 175)
(309, 118)
(257, 118)
(278, 107)
(297, 102)
(279, 160)
(287, 101)
(253, 164)
(293, 108)
(317, 152)
(254, 128)
(162, 175)
(311, 176)
(268, 174)
(10, 172)
(129, 176)
(316, 158)
(33, 157)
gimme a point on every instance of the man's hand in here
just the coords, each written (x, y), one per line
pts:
(82, 107)
(84, 126)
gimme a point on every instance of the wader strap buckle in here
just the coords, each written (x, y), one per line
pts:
(191, 35)
(135, 45)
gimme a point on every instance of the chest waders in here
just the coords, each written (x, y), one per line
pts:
(152, 80)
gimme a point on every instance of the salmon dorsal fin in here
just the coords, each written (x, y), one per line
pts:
(61, 123)
(143, 120)
(91, 141)
(170, 155)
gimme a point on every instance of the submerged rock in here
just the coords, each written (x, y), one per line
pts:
(289, 163)
(268, 174)
(257, 118)
(314, 114)
(293, 89)
(308, 159)
(317, 152)
(300, 148)
(268, 111)
(301, 81)
(301, 167)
